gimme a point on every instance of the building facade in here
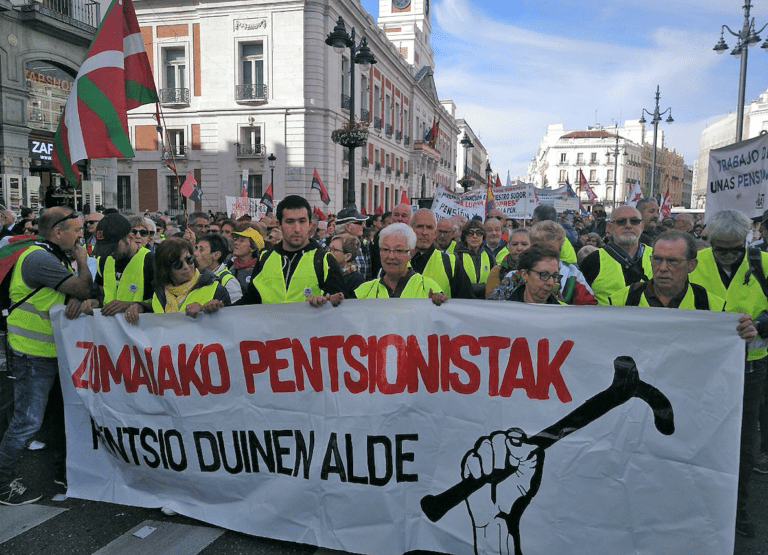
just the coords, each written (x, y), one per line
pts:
(470, 161)
(239, 82)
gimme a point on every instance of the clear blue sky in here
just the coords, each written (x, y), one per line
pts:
(514, 66)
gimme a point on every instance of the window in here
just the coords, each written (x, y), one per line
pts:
(593, 175)
(563, 157)
(610, 175)
(580, 158)
(363, 195)
(376, 203)
(363, 94)
(376, 101)
(174, 198)
(124, 192)
(387, 110)
(175, 68)
(176, 142)
(593, 158)
(563, 175)
(255, 186)
(386, 199)
(252, 85)
(250, 141)
(344, 75)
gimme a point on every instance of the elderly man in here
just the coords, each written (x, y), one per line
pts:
(435, 264)
(444, 237)
(297, 269)
(41, 277)
(402, 213)
(726, 270)
(91, 221)
(673, 258)
(623, 262)
(125, 270)
(494, 232)
(547, 212)
(353, 223)
(684, 222)
(649, 211)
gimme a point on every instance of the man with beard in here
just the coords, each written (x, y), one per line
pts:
(624, 261)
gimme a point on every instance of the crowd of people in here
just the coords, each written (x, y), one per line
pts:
(127, 266)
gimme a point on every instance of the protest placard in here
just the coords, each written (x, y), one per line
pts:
(738, 177)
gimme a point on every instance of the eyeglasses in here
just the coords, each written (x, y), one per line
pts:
(623, 221)
(179, 264)
(331, 249)
(397, 252)
(671, 262)
(728, 250)
(544, 276)
(71, 216)
(142, 232)
(475, 232)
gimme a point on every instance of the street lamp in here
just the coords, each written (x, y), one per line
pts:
(359, 54)
(272, 161)
(466, 181)
(488, 172)
(615, 151)
(746, 37)
(655, 121)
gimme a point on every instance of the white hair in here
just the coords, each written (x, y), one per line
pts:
(401, 229)
(728, 225)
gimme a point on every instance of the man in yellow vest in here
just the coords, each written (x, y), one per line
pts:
(725, 270)
(41, 277)
(125, 271)
(624, 261)
(444, 238)
(297, 269)
(494, 232)
(435, 264)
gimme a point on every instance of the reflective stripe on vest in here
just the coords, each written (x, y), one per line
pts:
(29, 325)
(270, 282)
(435, 270)
(611, 276)
(469, 267)
(200, 295)
(131, 286)
(223, 276)
(696, 298)
(748, 298)
(418, 287)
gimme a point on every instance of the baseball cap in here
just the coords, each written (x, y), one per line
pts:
(349, 214)
(109, 231)
(252, 234)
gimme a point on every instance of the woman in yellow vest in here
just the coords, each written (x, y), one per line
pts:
(475, 257)
(179, 285)
(398, 280)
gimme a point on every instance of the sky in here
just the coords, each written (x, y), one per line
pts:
(515, 66)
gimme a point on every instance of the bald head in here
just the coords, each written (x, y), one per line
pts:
(402, 214)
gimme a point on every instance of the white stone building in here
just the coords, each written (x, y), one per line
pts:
(241, 81)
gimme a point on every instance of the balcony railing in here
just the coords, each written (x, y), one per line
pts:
(398, 136)
(251, 93)
(389, 171)
(376, 122)
(179, 151)
(346, 101)
(249, 150)
(397, 173)
(83, 14)
(377, 167)
(407, 140)
(388, 130)
(365, 115)
(365, 162)
(174, 96)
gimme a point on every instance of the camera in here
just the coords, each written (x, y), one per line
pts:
(761, 324)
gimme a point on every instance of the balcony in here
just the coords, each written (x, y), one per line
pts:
(377, 167)
(398, 136)
(365, 115)
(407, 175)
(71, 20)
(346, 101)
(250, 151)
(376, 122)
(365, 162)
(174, 97)
(251, 93)
(389, 171)
(397, 173)
(388, 130)
(179, 151)
(407, 140)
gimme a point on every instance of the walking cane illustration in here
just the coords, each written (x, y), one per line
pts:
(626, 385)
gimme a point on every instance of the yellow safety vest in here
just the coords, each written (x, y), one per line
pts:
(29, 324)
(451, 247)
(131, 286)
(567, 252)
(200, 295)
(418, 287)
(713, 302)
(748, 298)
(610, 279)
(435, 270)
(469, 267)
(224, 275)
(501, 255)
(270, 282)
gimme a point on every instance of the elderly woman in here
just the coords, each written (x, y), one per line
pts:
(538, 267)
(141, 229)
(475, 257)
(519, 241)
(396, 245)
(344, 249)
(594, 240)
(246, 244)
(179, 285)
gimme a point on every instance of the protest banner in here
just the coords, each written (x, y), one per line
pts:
(370, 435)
(239, 206)
(738, 178)
(516, 201)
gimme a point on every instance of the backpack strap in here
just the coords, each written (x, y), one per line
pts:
(446, 258)
(755, 261)
(700, 297)
(636, 291)
(626, 263)
(17, 304)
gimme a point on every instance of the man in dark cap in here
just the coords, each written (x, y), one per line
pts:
(353, 223)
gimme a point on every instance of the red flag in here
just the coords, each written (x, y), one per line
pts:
(666, 205)
(267, 199)
(319, 213)
(363, 211)
(317, 183)
(404, 197)
(94, 123)
(582, 181)
(189, 185)
(244, 189)
(379, 210)
(498, 181)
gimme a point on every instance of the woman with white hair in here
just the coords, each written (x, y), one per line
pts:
(398, 280)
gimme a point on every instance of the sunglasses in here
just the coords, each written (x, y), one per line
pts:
(142, 232)
(623, 221)
(30, 230)
(475, 232)
(728, 250)
(179, 264)
(91, 222)
(71, 216)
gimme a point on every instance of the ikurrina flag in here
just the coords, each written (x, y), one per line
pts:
(114, 78)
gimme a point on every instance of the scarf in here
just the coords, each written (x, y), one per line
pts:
(237, 265)
(176, 294)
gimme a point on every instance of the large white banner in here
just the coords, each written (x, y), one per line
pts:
(384, 426)
(516, 201)
(738, 177)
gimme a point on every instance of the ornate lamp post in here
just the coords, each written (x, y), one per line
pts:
(272, 159)
(466, 181)
(362, 55)
(655, 121)
(746, 37)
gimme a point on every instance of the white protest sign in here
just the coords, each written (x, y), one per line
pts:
(738, 177)
(516, 201)
(348, 432)
(239, 206)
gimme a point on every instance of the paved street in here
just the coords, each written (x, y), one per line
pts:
(77, 527)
